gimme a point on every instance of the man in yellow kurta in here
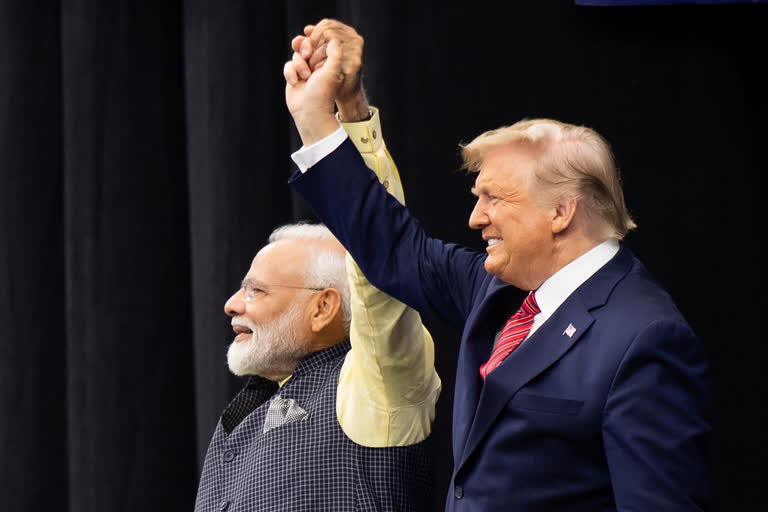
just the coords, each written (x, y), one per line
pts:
(342, 386)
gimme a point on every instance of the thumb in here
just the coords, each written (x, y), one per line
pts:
(334, 54)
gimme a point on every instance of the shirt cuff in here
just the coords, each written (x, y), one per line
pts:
(366, 134)
(307, 156)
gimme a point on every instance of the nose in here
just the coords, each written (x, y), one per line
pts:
(478, 219)
(235, 306)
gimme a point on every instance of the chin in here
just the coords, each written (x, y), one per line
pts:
(244, 358)
(498, 270)
(236, 359)
(491, 267)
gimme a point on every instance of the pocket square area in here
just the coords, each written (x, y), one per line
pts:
(282, 411)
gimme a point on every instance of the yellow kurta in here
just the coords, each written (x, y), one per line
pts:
(388, 387)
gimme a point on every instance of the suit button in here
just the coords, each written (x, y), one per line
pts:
(229, 456)
(458, 491)
(224, 505)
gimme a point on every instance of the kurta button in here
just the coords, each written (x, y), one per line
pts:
(458, 491)
(229, 456)
(374, 134)
(224, 505)
(364, 140)
(385, 183)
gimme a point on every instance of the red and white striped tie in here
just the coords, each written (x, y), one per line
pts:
(512, 335)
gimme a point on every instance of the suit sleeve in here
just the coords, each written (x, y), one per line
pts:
(387, 242)
(657, 422)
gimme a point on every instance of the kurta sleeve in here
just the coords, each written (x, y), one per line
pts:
(388, 387)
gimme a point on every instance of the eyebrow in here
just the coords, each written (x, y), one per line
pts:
(254, 282)
(484, 189)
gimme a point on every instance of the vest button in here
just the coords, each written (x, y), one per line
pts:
(458, 491)
(229, 456)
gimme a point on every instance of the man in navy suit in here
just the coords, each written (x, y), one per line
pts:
(603, 400)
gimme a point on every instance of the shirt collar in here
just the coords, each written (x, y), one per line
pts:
(553, 292)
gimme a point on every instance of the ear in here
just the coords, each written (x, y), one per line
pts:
(325, 307)
(564, 213)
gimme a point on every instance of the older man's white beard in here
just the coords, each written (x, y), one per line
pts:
(274, 350)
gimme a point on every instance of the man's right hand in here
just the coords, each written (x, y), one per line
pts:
(350, 100)
(310, 95)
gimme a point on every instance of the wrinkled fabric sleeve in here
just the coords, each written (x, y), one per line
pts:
(388, 386)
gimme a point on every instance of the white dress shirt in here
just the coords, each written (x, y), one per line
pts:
(560, 285)
(307, 156)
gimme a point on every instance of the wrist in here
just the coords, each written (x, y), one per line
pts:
(315, 126)
(354, 109)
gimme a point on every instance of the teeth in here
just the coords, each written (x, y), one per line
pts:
(493, 241)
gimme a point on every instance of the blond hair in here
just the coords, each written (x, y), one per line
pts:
(571, 160)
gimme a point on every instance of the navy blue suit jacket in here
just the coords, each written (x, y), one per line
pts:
(614, 417)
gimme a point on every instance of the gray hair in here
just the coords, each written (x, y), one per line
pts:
(325, 269)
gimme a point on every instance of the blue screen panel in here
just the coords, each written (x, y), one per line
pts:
(665, 2)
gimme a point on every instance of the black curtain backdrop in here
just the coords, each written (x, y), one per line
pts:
(144, 150)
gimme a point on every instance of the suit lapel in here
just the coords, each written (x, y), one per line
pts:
(500, 301)
(548, 344)
(535, 355)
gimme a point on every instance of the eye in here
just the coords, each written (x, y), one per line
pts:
(251, 290)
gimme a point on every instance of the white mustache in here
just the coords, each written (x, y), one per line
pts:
(243, 322)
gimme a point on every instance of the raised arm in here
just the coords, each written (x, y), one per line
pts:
(389, 245)
(388, 386)
(310, 94)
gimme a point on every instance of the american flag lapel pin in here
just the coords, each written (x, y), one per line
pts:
(569, 330)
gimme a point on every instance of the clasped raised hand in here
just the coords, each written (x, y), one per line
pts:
(325, 68)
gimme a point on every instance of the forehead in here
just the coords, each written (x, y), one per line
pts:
(281, 262)
(510, 165)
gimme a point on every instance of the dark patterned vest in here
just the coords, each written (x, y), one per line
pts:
(304, 461)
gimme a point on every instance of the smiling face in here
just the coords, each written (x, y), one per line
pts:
(518, 230)
(272, 331)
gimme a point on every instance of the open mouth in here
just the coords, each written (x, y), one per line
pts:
(242, 332)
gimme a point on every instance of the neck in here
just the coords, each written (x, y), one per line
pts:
(327, 338)
(568, 250)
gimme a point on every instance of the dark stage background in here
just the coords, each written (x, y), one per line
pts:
(144, 150)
